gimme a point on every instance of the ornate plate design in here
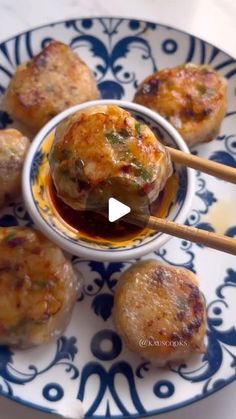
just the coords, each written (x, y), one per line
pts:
(90, 363)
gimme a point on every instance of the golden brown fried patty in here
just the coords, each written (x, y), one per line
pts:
(105, 149)
(38, 288)
(52, 81)
(13, 149)
(160, 312)
(193, 98)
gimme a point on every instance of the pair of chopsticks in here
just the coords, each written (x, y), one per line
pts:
(216, 241)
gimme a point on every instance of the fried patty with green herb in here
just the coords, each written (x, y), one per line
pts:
(160, 312)
(104, 150)
(52, 81)
(38, 288)
(192, 97)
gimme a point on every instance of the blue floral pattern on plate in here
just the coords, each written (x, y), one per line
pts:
(90, 363)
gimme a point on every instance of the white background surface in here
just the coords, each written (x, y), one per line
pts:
(212, 20)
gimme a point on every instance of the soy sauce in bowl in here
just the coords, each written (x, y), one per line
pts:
(97, 226)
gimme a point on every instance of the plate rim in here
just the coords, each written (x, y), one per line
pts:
(163, 25)
(196, 398)
(172, 408)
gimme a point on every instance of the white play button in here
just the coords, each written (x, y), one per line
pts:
(116, 210)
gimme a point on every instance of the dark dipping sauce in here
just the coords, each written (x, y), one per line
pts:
(98, 226)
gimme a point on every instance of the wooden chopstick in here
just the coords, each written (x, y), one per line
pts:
(204, 165)
(193, 234)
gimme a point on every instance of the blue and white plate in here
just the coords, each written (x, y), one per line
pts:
(90, 362)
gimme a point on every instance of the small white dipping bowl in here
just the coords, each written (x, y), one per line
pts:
(46, 219)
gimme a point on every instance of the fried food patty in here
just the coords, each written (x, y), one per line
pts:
(160, 312)
(191, 97)
(13, 149)
(104, 150)
(38, 288)
(52, 81)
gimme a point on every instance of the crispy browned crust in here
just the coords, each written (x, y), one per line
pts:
(38, 288)
(193, 98)
(160, 312)
(13, 149)
(103, 144)
(52, 81)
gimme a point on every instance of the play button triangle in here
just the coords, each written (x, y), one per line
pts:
(117, 210)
